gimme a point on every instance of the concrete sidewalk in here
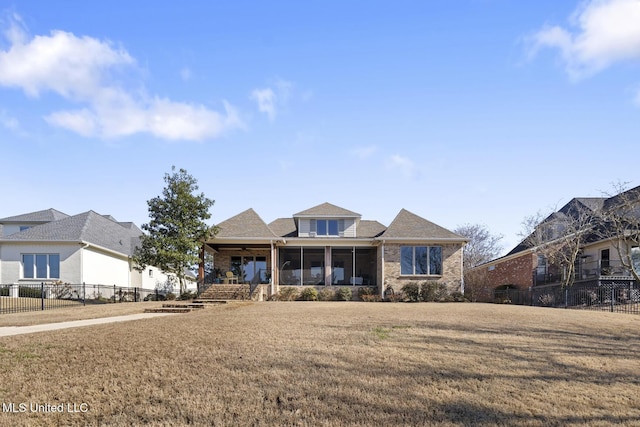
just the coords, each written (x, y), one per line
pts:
(7, 331)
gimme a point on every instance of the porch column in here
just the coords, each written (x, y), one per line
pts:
(327, 266)
(274, 271)
(201, 266)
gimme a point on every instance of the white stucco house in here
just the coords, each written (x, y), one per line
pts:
(50, 246)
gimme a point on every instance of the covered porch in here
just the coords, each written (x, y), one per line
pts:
(327, 265)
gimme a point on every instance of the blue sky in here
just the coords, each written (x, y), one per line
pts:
(468, 111)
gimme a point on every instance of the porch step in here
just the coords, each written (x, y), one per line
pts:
(226, 292)
(192, 305)
(210, 301)
(168, 310)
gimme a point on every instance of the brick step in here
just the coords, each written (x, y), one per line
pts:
(227, 292)
(168, 310)
(210, 301)
(195, 306)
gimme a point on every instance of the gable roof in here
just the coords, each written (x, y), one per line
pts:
(592, 203)
(46, 215)
(245, 225)
(410, 226)
(284, 227)
(88, 227)
(327, 210)
(369, 228)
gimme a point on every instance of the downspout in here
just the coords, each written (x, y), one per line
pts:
(382, 273)
(462, 270)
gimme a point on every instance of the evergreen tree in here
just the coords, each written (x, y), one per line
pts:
(177, 228)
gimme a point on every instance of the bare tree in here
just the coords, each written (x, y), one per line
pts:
(620, 222)
(482, 246)
(560, 236)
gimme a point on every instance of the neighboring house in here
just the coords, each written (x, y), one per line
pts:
(528, 264)
(50, 246)
(330, 246)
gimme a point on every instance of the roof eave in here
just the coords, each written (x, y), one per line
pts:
(424, 239)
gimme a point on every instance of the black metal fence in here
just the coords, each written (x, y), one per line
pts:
(621, 296)
(45, 296)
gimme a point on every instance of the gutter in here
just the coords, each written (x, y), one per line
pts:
(431, 240)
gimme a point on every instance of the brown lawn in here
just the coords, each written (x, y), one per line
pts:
(333, 364)
(75, 311)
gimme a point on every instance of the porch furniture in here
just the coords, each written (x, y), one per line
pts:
(231, 278)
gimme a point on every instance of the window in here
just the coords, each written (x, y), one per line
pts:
(24, 227)
(420, 260)
(327, 227)
(41, 266)
(150, 273)
(250, 269)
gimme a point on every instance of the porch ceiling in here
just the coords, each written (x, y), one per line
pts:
(240, 246)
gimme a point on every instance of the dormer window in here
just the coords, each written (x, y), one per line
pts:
(327, 227)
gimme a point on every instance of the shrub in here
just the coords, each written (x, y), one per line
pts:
(287, 294)
(369, 294)
(188, 295)
(309, 294)
(29, 292)
(458, 297)
(411, 292)
(326, 294)
(344, 294)
(395, 297)
(171, 296)
(155, 297)
(546, 300)
(4, 291)
(434, 291)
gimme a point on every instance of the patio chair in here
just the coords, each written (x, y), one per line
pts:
(231, 278)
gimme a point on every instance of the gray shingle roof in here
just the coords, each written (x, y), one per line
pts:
(328, 210)
(88, 227)
(46, 215)
(284, 227)
(593, 203)
(407, 225)
(247, 224)
(368, 228)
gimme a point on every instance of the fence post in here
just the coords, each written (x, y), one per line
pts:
(566, 297)
(613, 297)
(135, 294)
(114, 293)
(42, 295)
(84, 293)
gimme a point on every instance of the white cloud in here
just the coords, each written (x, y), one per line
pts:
(605, 32)
(83, 70)
(402, 164)
(9, 122)
(266, 100)
(272, 100)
